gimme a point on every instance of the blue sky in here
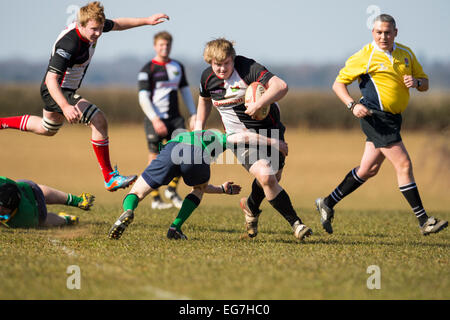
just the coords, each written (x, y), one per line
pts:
(279, 31)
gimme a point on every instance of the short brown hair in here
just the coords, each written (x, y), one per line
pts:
(219, 50)
(92, 11)
(162, 35)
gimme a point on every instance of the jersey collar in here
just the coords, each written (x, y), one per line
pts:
(79, 34)
(161, 63)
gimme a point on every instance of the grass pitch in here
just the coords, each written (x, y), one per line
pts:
(373, 227)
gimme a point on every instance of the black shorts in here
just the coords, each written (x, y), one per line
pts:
(50, 104)
(178, 159)
(40, 200)
(153, 140)
(250, 154)
(382, 128)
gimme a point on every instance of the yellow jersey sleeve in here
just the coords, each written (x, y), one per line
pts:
(355, 66)
(417, 71)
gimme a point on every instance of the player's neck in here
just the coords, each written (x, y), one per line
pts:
(161, 59)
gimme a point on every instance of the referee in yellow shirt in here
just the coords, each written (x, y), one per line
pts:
(386, 70)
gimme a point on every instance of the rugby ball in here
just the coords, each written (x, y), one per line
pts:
(253, 93)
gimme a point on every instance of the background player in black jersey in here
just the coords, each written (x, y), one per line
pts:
(159, 82)
(70, 58)
(223, 85)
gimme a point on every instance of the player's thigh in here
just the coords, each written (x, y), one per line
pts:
(371, 160)
(174, 127)
(397, 155)
(153, 140)
(55, 117)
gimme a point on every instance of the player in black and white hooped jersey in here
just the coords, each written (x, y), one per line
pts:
(70, 58)
(159, 82)
(223, 86)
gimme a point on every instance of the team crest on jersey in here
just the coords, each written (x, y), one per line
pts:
(235, 88)
(176, 73)
(407, 62)
(382, 67)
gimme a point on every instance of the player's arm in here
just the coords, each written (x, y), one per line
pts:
(276, 90)
(252, 138)
(227, 187)
(149, 110)
(72, 113)
(189, 102)
(128, 23)
(203, 111)
(341, 90)
(421, 84)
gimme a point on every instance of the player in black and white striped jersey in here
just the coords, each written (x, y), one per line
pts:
(223, 85)
(70, 58)
(159, 82)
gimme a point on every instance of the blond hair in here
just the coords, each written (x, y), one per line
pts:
(164, 35)
(219, 50)
(92, 11)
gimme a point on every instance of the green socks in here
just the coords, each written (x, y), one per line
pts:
(73, 200)
(190, 203)
(130, 202)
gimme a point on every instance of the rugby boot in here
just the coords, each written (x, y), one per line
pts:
(174, 197)
(175, 234)
(326, 215)
(251, 220)
(87, 202)
(121, 224)
(70, 220)
(433, 225)
(117, 181)
(301, 231)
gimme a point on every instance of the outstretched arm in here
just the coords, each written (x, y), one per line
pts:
(228, 188)
(128, 23)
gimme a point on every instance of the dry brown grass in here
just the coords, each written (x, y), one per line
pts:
(317, 162)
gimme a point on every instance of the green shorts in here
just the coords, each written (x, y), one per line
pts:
(382, 128)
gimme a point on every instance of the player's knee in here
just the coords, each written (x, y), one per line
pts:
(267, 180)
(50, 127)
(404, 166)
(92, 115)
(373, 170)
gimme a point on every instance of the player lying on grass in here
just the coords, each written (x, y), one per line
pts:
(189, 155)
(23, 204)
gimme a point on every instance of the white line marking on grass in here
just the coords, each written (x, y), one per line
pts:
(66, 250)
(162, 294)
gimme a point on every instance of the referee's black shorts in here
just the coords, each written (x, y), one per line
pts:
(382, 128)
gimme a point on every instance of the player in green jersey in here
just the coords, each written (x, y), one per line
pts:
(23, 204)
(188, 155)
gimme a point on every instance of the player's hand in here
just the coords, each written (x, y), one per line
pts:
(72, 114)
(231, 188)
(410, 81)
(157, 19)
(283, 147)
(192, 120)
(360, 111)
(252, 108)
(160, 127)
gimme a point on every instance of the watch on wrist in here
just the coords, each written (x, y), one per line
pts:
(351, 105)
(419, 83)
